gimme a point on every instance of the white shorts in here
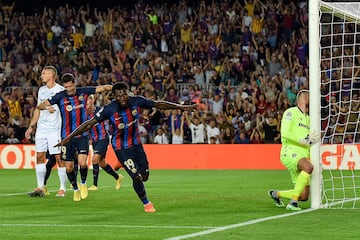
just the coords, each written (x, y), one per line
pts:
(46, 141)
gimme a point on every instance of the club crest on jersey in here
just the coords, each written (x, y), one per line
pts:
(69, 108)
(134, 112)
(81, 97)
(121, 126)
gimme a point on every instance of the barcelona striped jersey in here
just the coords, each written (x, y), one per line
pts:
(124, 121)
(97, 132)
(72, 108)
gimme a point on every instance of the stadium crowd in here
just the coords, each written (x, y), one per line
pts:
(243, 62)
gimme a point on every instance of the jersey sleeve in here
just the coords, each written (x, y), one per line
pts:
(289, 127)
(141, 102)
(39, 94)
(101, 114)
(56, 99)
(87, 90)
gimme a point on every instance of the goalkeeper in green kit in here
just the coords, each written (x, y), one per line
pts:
(296, 140)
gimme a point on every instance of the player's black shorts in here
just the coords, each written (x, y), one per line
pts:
(134, 160)
(79, 145)
(100, 147)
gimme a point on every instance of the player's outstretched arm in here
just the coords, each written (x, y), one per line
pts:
(103, 88)
(169, 105)
(85, 126)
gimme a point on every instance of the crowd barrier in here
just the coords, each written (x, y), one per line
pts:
(200, 156)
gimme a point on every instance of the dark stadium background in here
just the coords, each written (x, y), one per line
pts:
(29, 6)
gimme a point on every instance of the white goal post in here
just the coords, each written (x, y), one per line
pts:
(314, 92)
(334, 80)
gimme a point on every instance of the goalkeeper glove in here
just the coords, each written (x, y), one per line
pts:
(311, 138)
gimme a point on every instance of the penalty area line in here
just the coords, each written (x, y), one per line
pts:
(237, 225)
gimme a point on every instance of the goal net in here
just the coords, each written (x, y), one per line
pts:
(339, 160)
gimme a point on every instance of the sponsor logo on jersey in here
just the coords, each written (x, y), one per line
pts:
(70, 108)
(304, 126)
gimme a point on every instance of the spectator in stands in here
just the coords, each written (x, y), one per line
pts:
(256, 136)
(3, 135)
(217, 103)
(227, 135)
(143, 134)
(11, 139)
(196, 126)
(177, 132)
(161, 137)
(269, 124)
(207, 45)
(212, 131)
(241, 138)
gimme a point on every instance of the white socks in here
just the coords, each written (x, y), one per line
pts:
(62, 177)
(40, 170)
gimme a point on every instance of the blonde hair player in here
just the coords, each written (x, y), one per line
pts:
(48, 126)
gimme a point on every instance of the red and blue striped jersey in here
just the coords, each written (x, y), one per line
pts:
(124, 121)
(97, 132)
(72, 108)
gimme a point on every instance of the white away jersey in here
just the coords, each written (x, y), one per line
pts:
(49, 121)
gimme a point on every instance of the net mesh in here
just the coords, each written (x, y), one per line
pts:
(340, 105)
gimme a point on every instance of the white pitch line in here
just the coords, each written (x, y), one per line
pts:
(237, 225)
(97, 225)
(25, 193)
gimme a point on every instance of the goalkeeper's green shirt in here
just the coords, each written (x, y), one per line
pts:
(295, 126)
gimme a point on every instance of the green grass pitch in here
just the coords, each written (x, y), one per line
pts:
(210, 204)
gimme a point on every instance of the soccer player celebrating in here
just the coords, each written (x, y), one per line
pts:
(123, 114)
(296, 140)
(72, 104)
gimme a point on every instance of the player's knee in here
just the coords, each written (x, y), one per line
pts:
(137, 178)
(305, 165)
(51, 161)
(303, 198)
(309, 168)
(69, 169)
(145, 177)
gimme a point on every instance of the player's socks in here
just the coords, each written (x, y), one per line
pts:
(300, 184)
(140, 191)
(95, 174)
(287, 194)
(111, 171)
(49, 165)
(72, 179)
(83, 174)
(40, 170)
(145, 200)
(76, 167)
(62, 177)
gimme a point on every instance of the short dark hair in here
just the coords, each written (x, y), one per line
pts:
(120, 86)
(67, 77)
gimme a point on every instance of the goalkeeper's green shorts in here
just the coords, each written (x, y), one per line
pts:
(290, 159)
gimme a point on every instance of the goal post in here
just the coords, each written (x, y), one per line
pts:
(334, 84)
(314, 94)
